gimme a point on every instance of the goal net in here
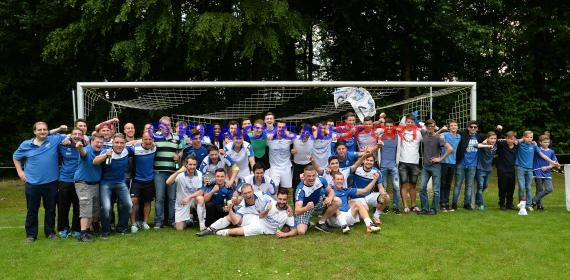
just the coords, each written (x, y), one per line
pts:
(294, 102)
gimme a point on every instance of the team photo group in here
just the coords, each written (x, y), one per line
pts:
(264, 176)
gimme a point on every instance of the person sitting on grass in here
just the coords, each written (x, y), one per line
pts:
(310, 200)
(351, 211)
(253, 205)
(277, 221)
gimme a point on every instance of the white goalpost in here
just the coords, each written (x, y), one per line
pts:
(300, 100)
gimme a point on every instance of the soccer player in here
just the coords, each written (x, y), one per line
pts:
(350, 212)
(142, 188)
(280, 157)
(66, 195)
(274, 222)
(36, 163)
(322, 144)
(253, 205)
(215, 161)
(216, 196)
(196, 148)
(189, 194)
(241, 153)
(302, 151)
(259, 181)
(258, 142)
(364, 135)
(347, 132)
(115, 161)
(310, 200)
(86, 179)
(409, 159)
(362, 175)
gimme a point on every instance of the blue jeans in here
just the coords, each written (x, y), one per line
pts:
(466, 174)
(395, 175)
(161, 187)
(482, 182)
(543, 187)
(125, 205)
(524, 178)
(34, 195)
(433, 171)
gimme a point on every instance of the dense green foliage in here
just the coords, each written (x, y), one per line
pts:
(517, 51)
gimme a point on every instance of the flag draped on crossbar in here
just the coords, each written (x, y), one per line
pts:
(359, 98)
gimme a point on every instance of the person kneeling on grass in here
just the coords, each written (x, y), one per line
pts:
(276, 220)
(350, 212)
(253, 205)
(310, 199)
(188, 193)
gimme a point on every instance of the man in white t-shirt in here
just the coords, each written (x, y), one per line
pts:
(280, 157)
(189, 193)
(409, 158)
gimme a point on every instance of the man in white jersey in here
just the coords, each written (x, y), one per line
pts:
(277, 221)
(189, 193)
(322, 143)
(302, 150)
(252, 206)
(259, 181)
(215, 161)
(280, 157)
(241, 153)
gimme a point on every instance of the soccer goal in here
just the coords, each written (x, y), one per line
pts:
(292, 101)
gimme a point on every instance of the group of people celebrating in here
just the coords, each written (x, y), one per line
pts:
(245, 175)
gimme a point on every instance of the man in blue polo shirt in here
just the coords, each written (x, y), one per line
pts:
(36, 163)
(115, 161)
(86, 179)
(216, 196)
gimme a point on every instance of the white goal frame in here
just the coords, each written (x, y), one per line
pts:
(272, 84)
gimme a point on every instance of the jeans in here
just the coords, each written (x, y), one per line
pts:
(543, 187)
(34, 195)
(395, 175)
(433, 171)
(524, 177)
(161, 187)
(447, 173)
(125, 205)
(466, 174)
(482, 182)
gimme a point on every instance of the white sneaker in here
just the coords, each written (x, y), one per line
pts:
(145, 226)
(223, 232)
(134, 229)
(372, 228)
(345, 229)
(202, 226)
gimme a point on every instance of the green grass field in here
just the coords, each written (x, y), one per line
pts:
(492, 244)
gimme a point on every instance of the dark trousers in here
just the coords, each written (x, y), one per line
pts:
(506, 182)
(214, 212)
(66, 197)
(297, 171)
(35, 194)
(447, 173)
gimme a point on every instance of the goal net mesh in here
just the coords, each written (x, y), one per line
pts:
(294, 104)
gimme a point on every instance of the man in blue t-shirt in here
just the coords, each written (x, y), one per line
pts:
(142, 188)
(114, 161)
(216, 196)
(86, 179)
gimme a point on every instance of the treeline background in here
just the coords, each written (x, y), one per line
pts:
(518, 51)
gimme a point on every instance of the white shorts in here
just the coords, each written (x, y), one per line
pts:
(248, 219)
(282, 177)
(371, 199)
(182, 212)
(258, 227)
(350, 220)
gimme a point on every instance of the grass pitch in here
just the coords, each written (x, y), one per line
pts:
(492, 244)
